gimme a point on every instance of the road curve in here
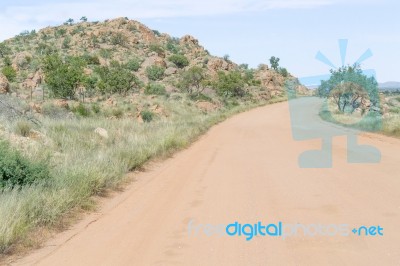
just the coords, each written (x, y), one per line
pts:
(244, 169)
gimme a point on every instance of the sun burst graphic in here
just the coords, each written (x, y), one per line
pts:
(315, 81)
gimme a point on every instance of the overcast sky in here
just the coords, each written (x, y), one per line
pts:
(249, 31)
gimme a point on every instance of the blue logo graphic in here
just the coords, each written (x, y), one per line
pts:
(304, 111)
(281, 230)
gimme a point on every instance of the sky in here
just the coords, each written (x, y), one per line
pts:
(249, 31)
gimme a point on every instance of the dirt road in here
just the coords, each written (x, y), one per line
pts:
(246, 170)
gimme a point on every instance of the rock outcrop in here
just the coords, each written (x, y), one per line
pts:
(4, 84)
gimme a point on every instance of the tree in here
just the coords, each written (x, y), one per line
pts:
(230, 84)
(179, 60)
(70, 21)
(116, 79)
(84, 19)
(63, 76)
(348, 95)
(350, 89)
(193, 80)
(274, 61)
(89, 83)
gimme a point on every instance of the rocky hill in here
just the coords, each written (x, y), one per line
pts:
(126, 43)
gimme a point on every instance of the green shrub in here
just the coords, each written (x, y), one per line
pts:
(134, 64)
(81, 110)
(96, 108)
(172, 47)
(23, 128)
(119, 39)
(179, 60)
(61, 77)
(116, 79)
(91, 59)
(155, 89)
(90, 84)
(77, 30)
(156, 48)
(283, 71)
(155, 72)
(66, 43)
(193, 81)
(45, 49)
(60, 32)
(54, 111)
(249, 78)
(7, 61)
(15, 170)
(9, 72)
(157, 33)
(132, 28)
(118, 113)
(147, 116)
(4, 49)
(106, 53)
(230, 84)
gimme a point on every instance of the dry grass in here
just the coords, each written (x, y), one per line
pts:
(84, 164)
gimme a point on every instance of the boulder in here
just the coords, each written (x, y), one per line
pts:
(206, 106)
(217, 64)
(110, 102)
(36, 108)
(157, 109)
(4, 84)
(33, 80)
(154, 60)
(139, 118)
(170, 71)
(188, 39)
(21, 60)
(61, 103)
(101, 132)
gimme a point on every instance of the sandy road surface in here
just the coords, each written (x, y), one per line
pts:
(244, 170)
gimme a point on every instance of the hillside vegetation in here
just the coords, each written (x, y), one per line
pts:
(82, 104)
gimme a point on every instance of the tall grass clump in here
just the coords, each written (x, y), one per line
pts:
(23, 128)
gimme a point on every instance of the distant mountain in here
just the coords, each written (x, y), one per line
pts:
(390, 85)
